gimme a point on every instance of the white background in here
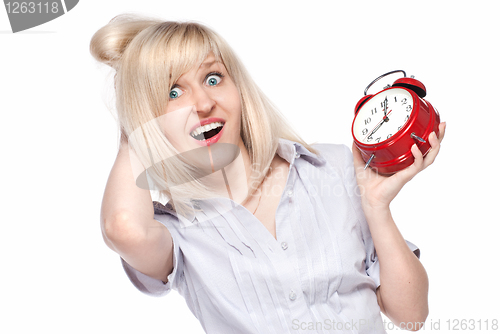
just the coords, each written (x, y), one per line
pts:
(58, 142)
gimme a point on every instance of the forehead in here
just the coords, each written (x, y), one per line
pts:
(209, 62)
(193, 62)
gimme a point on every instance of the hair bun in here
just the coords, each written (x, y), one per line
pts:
(109, 42)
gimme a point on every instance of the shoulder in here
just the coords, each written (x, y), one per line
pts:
(338, 156)
(336, 151)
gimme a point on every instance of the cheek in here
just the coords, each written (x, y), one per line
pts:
(234, 108)
(173, 125)
(233, 102)
(174, 107)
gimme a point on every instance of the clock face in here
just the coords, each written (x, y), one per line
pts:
(383, 116)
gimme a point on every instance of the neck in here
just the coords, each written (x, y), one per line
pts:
(232, 180)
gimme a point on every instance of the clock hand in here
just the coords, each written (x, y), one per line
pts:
(376, 128)
(385, 107)
(384, 120)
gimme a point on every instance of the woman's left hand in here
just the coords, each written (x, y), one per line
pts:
(377, 191)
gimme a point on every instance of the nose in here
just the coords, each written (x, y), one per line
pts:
(203, 101)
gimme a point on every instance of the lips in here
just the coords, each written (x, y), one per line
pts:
(208, 131)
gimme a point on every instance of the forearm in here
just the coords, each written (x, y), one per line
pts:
(403, 281)
(128, 224)
(123, 201)
(404, 285)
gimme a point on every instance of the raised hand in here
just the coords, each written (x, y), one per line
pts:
(377, 191)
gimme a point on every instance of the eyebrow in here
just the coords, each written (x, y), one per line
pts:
(209, 63)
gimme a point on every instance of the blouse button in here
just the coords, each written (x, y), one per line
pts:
(292, 295)
(297, 155)
(284, 245)
(289, 193)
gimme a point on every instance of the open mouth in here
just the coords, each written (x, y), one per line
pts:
(207, 131)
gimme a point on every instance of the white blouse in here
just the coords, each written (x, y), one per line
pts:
(318, 276)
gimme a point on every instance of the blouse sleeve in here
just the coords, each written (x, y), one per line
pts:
(152, 286)
(372, 265)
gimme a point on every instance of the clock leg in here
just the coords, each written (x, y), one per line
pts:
(369, 160)
(414, 136)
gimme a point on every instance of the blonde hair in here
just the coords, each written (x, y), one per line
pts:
(149, 56)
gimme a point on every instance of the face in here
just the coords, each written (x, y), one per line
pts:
(383, 116)
(204, 108)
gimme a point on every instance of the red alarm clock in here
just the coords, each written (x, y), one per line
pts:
(388, 123)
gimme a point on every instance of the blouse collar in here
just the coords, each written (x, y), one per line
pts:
(290, 151)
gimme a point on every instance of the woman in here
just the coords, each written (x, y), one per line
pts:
(262, 233)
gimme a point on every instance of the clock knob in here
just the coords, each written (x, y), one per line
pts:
(412, 84)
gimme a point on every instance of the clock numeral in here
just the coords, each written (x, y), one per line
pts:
(399, 127)
(374, 111)
(370, 138)
(408, 108)
(368, 120)
(389, 136)
(364, 132)
(395, 99)
(407, 117)
(404, 101)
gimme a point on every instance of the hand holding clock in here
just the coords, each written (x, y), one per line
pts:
(405, 146)
(377, 191)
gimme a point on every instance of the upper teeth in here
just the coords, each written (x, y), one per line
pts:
(206, 128)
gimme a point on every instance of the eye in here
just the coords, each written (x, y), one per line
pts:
(213, 79)
(175, 93)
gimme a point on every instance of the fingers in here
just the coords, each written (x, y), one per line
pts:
(123, 136)
(442, 128)
(419, 157)
(418, 165)
(435, 145)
